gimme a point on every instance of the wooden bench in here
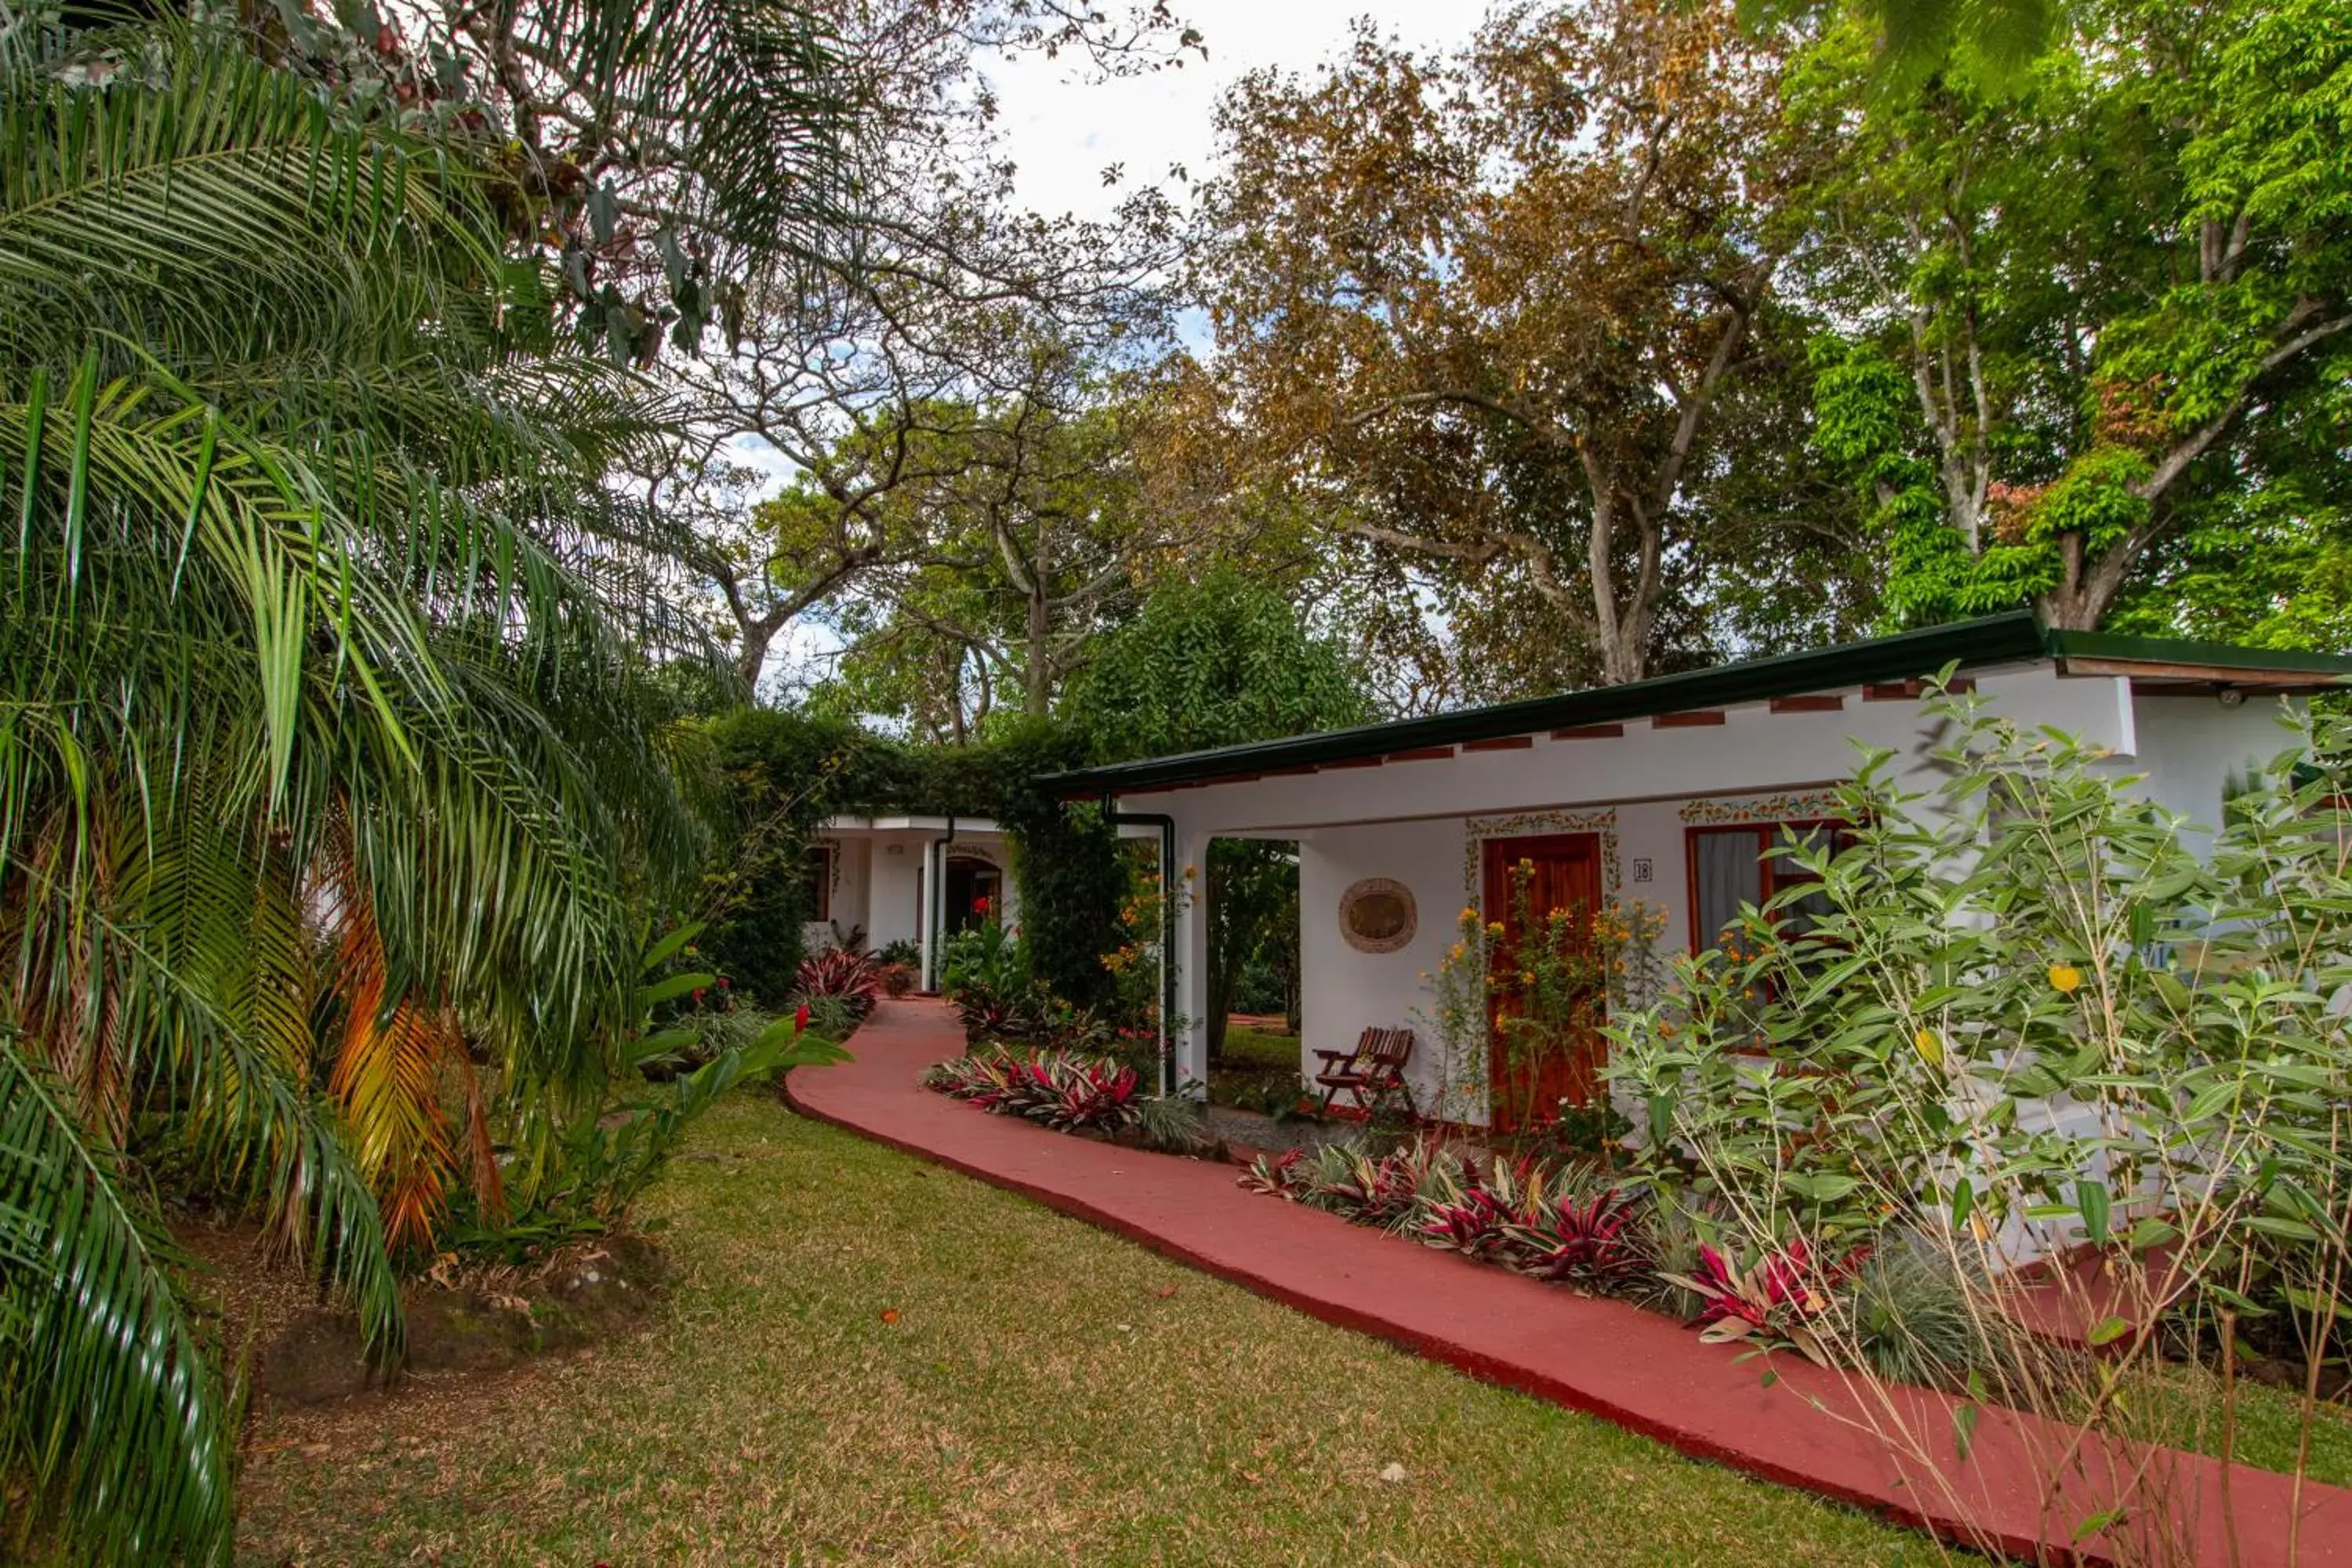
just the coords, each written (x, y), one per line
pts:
(1373, 1069)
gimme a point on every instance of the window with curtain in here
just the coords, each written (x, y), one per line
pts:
(1736, 866)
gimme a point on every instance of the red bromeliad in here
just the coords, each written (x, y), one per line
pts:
(1594, 1241)
(1476, 1223)
(855, 977)
(1777, 1299)
(1061, 1089)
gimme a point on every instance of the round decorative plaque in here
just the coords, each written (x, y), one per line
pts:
(1377, 915)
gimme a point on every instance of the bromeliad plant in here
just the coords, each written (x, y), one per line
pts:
(854, 979)
(1594, 1235)
(1553, 1223)
(1785, 1297)
(1060, 1090)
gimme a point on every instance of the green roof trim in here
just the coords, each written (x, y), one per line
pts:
(2016, 637)
(2188, 652)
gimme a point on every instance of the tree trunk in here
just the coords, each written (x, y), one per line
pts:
(1625, 652)
(2085, 594)
(749, 660)
(1037, 675)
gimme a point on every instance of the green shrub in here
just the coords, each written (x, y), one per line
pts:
(2038, 1015)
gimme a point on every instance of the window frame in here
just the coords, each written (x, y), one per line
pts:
(821, 859)
(1769, 867)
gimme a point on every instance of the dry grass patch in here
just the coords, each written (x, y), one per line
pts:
(1045, 1393)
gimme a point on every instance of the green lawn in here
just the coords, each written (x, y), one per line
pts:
(1047, 1394)
(1260, 1047)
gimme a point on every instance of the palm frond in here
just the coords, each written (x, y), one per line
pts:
(103, 1393)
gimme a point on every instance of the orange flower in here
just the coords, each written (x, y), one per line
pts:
(889, 1314)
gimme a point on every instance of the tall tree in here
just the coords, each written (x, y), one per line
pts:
(850, 374)
(1215, 662)
(1499, 301)
(2084, 300)
(1035, 539)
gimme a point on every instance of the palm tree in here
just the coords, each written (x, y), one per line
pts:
(331, 774)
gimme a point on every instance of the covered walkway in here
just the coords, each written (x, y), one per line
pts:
(1634, 1367)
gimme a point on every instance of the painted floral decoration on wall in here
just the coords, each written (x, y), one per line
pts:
(1720, 811)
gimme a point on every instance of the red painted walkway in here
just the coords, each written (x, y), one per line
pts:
(1634, 1367)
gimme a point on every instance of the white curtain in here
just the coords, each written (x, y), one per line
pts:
(1730, 874)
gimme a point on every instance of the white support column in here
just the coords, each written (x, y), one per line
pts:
(1191, 957)
(926, 915)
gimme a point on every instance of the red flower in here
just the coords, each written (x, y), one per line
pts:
(723, 983)
(800, 1016)
(697, 993)
(980, 906)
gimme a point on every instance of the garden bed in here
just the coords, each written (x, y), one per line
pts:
(462, 1322)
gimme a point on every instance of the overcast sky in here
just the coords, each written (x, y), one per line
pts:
(1064, 130)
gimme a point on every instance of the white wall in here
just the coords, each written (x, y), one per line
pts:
(2188, 746)
(1349, 992)
(896, 889)
(849, 911)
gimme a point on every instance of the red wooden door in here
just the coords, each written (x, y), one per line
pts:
(1564, 873)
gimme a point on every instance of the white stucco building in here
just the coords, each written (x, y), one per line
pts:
(1667, 791)
(879, 880)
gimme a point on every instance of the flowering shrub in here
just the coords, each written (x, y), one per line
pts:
(1543, 983)
(1060, 1090)
(1554, 975)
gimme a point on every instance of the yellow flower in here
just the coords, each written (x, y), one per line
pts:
(1930, 1048)
(1469, 915)
(1495, 928)
(1527, 977)
(2065, 977)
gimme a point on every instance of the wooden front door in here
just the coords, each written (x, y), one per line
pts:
(1564, 873)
